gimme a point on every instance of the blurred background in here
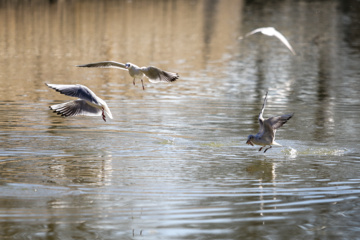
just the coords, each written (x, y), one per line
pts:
(173, 163)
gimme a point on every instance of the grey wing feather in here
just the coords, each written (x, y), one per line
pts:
(277, 122)
(157, 75)
(79, 91)
(268, 133)
(105, 64)
(77, 107)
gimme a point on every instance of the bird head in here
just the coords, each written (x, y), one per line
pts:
(127, 65)
(249, 140)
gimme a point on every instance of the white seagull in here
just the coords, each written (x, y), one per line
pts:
(266, 134)
(154, 74)
(272, 32)
(88, 103)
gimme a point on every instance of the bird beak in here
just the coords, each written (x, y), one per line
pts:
(249, 142)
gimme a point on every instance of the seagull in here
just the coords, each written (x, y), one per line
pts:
(88, 103)
(272, 32)
(154, 74)
(266, 134)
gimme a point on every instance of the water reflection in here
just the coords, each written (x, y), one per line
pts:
(325, 113)
(173, 163)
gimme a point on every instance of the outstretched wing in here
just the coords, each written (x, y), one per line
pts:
(277, 122)
(284, 41)
(78, 90)
(270, 126)
(270, 31)
(77, 107)
(254, 31)
(157, 75)
(105, 64)
(261, 118)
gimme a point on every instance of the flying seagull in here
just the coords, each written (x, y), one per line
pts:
(268, 127)
(272, 32)
(88, 103)
(154, 74)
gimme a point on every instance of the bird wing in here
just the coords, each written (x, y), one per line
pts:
(157, 75)
(270, 126)
(105, 64)
(254, 31)
(76, 107)
(79, 91)
(277, 122)
(268, 134)
(261, 118)
(284, 41)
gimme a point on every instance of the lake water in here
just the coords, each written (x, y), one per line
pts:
(173, 163)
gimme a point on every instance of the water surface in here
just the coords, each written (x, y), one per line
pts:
(173, 163)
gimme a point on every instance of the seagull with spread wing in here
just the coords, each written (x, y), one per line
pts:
(87, 104)
(154, 74)
(268, 127)
(272, 32)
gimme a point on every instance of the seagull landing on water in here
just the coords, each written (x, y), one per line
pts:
(266, 134)
(88, 103)
(272, 32)
(154, 74)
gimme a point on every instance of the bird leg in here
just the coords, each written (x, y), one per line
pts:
(142, 82)
(103, 115)
(267, 149)
(260, 149)
(134, 81)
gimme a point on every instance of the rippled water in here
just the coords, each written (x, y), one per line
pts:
(173, 163)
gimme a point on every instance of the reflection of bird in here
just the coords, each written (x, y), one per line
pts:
(270, 31)
(154, 74)
(88, 103)
(266, 134)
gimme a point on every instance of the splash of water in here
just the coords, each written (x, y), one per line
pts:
(293, 153)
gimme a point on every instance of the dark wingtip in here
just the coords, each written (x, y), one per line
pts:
(51, 87)
(54, 88)
(175, 78)
(58, 113)
(85, 65)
